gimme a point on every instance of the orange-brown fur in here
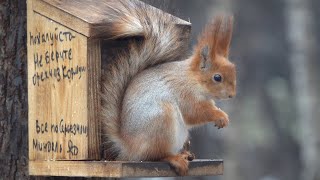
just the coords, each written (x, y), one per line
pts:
(150, 99)
(212, 114)
(217, 37)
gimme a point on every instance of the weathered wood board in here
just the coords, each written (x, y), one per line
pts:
(119, 169)
(63, 73)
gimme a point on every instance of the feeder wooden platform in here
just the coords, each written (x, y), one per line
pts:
(117, 169)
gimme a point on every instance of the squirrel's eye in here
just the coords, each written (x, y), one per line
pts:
(217, 77)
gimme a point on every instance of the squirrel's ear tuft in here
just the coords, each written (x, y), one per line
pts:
(224, 37)
(217, 35)
(205, 61)
(214, 41)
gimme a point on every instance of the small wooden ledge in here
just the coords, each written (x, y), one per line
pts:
(117, 169)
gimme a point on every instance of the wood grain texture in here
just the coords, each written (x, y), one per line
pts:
(58, 91)
(94, 74)
(121, 169)
(58, 15)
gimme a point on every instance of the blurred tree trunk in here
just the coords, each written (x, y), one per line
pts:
(301, 36)
(13, 90)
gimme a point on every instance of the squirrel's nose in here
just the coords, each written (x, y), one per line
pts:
(231, 95)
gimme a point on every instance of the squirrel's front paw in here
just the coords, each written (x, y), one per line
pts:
(222, 119)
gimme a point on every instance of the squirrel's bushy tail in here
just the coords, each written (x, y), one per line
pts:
(161, 40)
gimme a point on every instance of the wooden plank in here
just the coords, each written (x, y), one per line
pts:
(57, 90)
(30, 26)
(94, 74)
(162, 169)
(119, 169)
(89, 18)
(58, 15)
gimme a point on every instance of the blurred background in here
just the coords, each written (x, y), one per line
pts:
(273, 134)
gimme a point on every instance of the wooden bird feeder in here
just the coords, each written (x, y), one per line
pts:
(65, 40)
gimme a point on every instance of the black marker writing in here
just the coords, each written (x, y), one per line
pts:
(50, 37)
(47, 146)
(73, 150)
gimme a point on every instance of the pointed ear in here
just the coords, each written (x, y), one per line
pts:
(205, 62)
(225, 35)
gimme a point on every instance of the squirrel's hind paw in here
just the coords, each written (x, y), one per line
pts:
(179, 162)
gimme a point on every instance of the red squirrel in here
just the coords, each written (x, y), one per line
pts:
(151, 97)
